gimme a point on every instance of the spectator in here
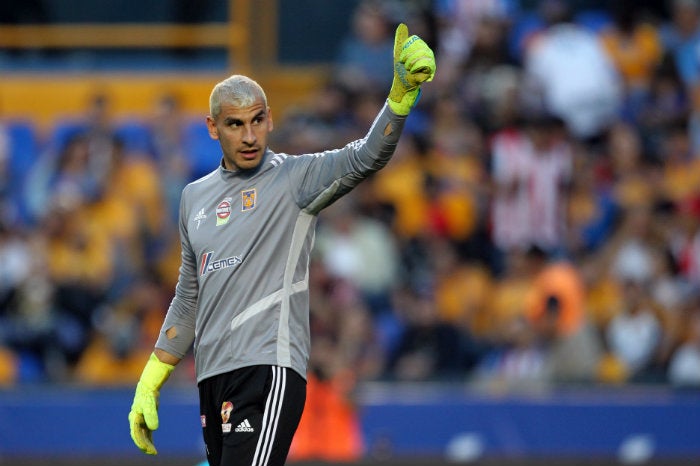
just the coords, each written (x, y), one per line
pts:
(456, 169)
(462, 23)
(634, 334)
(27, 318)
(568, 73)
(130, 214)
(12, 172)
(80, 266)
(485, 80)
(510, 290)
(680, 172)
(635, 48)
(327, 119)
(666, 108)
(97, 127)
(684, 367)
(361, 62)
(631, 168)
(634, 251)
(685, 240)
(401, 186)
(680, 36)
(122, 333)
(463, 290)
(68, 173)
(167, 131)
(428, 347)
(360, 250)
(518, 363)
(555, 309)
(591, 209)
(532, 169)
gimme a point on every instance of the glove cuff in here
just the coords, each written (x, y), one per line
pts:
(155, 373)
(408, 101)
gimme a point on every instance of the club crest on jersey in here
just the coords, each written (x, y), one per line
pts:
(248, 198)
(209, 264)
(223, 212)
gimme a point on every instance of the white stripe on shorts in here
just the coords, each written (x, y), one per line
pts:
(271, 416)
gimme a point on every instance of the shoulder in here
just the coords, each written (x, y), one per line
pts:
(288, 161)
(200, 183)
(274, 159)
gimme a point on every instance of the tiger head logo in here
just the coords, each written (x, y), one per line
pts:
(226, 410)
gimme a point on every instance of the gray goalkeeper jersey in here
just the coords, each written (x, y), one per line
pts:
(242, 294)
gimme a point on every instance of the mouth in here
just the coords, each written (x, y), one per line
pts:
(249, 154)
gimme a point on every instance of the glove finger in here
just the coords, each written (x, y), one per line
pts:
(414, 48)
(148, 440)
(422, 74)
(411, 46)
(419, 78)
(420, 63)
(140, 434)
(418, 60)
(145, 441)
(150, 414)
(399, 39)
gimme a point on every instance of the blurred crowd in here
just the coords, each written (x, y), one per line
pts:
(539, 223)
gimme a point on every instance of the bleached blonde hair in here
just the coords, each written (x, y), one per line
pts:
(237, 90)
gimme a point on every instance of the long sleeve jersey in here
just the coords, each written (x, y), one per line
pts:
(242, 295)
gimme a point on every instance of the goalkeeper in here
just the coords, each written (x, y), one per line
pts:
(242, 298)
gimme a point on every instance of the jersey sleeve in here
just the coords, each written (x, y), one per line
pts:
(320, 179)
(178, 330)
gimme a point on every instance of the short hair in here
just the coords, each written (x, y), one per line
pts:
(237, 90)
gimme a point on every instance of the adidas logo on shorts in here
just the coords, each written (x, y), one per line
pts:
(244, 427)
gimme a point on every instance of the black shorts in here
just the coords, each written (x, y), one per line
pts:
(249, 416)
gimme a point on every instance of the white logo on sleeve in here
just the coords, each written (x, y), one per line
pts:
(244, 427)
(200, 217)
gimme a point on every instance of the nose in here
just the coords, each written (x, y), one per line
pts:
(249, 137)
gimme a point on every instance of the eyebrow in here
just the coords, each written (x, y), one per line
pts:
(230, 121)
(238, 121)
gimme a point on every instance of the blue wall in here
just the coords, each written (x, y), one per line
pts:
(572, 423)
(425, 420)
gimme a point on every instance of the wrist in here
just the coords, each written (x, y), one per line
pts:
(407, 102)
(155, 373)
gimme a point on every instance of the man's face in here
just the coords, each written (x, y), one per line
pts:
(242, 133)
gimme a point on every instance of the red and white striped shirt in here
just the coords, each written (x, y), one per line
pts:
(528, 207)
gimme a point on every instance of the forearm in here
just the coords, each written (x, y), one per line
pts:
(165, 357)
(176, 336)
(380, 143)
(177, 332)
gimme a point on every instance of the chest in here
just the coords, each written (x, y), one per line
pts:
(231, 219)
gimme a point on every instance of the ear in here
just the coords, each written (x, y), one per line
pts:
(270, 125)
(211, 127)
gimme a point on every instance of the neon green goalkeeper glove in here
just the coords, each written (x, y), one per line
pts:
(143, 417)
(414, 64)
